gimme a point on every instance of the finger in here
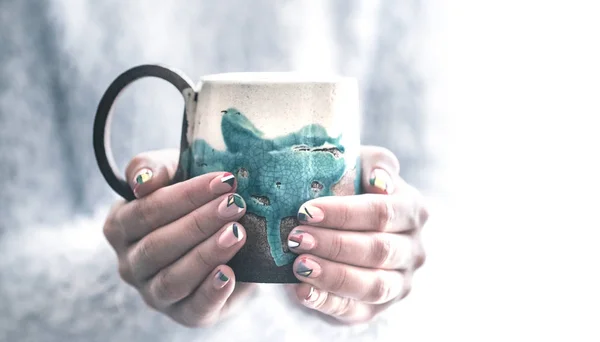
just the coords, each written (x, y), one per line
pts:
(420, 255)
(363, 284)
(342, 308)
(364, 249)
(168, 204)
(178, 280)
(368, 212)
(169, 243)
(380, 168)
(241, 293)
(111, 229)
(407, 289)
(203, 307)
(163, 246)
(150, 171)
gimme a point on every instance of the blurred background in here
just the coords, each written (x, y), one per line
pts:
(492, 108)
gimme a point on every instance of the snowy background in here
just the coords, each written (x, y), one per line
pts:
(492, 107)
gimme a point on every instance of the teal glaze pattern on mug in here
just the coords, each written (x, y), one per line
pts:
(275, 176)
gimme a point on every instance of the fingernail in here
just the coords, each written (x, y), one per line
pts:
(220, 280)
(228, 178)
(230, 236)
(300, 239)
(143, 176)
(308, 268)
(308, 213)
(231, 206)
(222, 183)
(381, 180)
(312, 296)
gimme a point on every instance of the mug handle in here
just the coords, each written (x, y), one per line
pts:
(102, 149)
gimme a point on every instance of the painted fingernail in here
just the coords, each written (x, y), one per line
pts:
(228, 178)
(223, 183)
(381, 180)
(308, 268)
(231, 206)
(220, 280)
(310, 214)
(312, 296)
(143, 176)
(300, 239)
(230, 236)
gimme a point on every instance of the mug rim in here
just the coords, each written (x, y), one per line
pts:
(276, 77)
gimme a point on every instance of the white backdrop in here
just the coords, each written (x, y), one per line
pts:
(514, 244)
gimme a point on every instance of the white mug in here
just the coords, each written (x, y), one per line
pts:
(286, 137)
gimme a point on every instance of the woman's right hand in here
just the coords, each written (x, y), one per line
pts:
(172, 241)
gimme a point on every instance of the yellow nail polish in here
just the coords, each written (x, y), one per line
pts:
(381, 180)
(143, 176)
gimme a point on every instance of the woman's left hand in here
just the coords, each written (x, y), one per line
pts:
(358, 253)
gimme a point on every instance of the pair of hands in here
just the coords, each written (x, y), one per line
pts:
(357, 253)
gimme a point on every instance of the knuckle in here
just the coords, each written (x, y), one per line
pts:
(411, 223)
(378, 292)
(186, 322)
(384, 212)
(342, 308)
(420, 257)
(381, 251)
(198, 322)
(110, 230)
(422, 214)
(198, 223)
(200, 315)
(406, 291)
(335, 247)
(150, 302)
(203, 259)
(204, 320)
(164, 289)
(343, 216)
(125, 273)
(189, 318)
(143, 253)
(370, 315)
(189, 193)
(339, 282)
(142, 210)
(322, 300)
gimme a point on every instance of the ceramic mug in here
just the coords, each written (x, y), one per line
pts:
(286, 137)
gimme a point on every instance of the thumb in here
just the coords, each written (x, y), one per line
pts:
(380, 168)
(150, 171)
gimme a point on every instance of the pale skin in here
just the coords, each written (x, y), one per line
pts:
(173, 242)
